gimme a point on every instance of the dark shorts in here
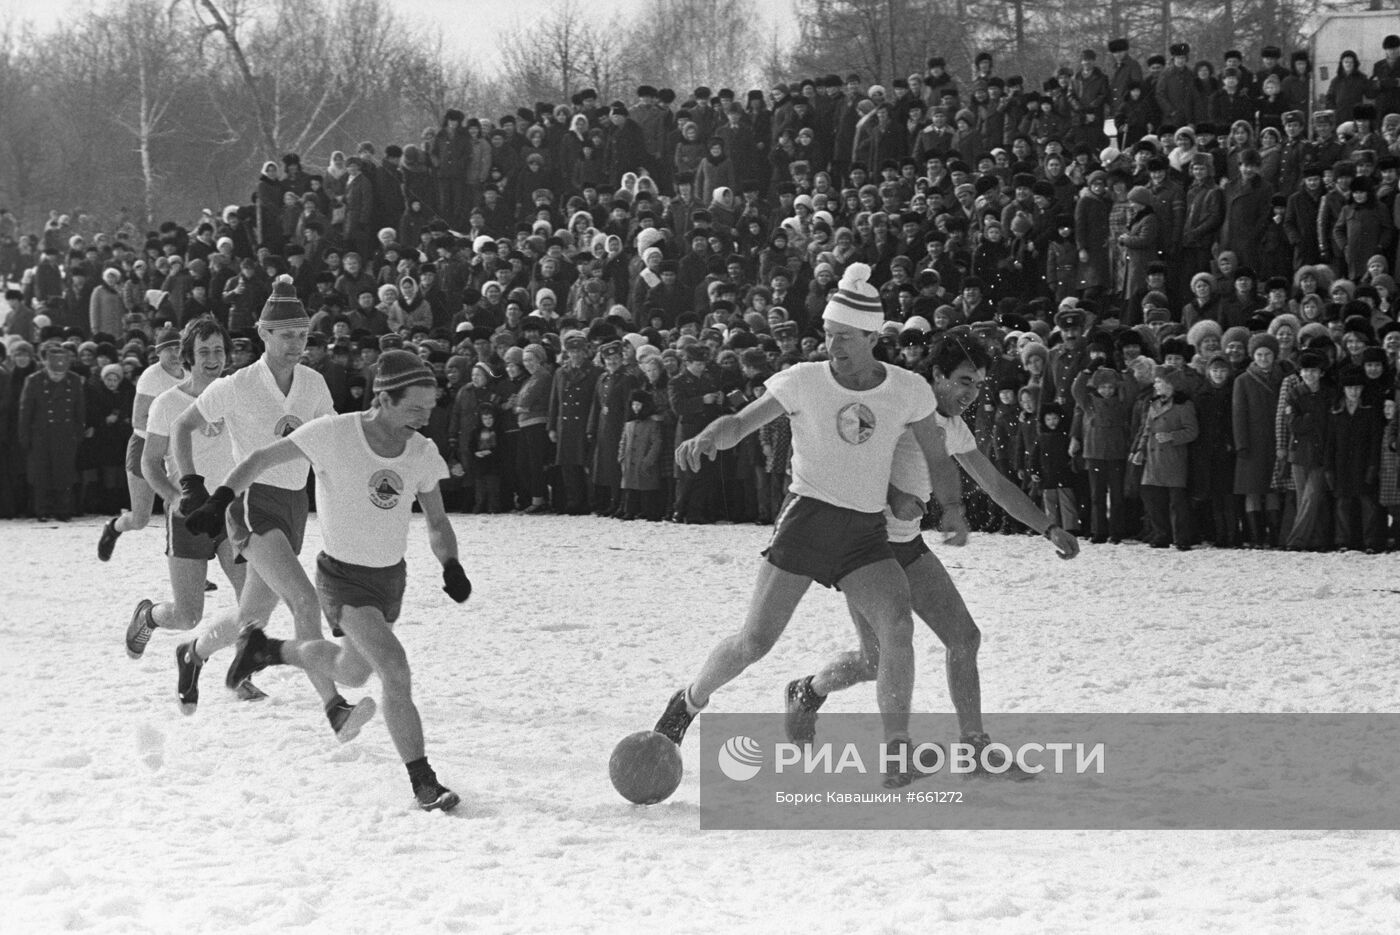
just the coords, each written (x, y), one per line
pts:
(824, 542)
(260, 509)
(135, 448)
(907, 553)
(341, 584)
(181, 543)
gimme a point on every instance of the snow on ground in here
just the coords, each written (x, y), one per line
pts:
(118, 814)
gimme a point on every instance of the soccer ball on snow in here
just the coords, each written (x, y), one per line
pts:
(645, 767)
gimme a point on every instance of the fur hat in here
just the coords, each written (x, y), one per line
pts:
(1175, 377)
(1104, 376)
(1285, 319)
(1263, 339)
(1197, 332)
(1239, 334)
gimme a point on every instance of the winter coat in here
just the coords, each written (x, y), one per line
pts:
(1360, 233)
(1143, 246)
(106, 311)
(1105, 422)
(570, 403)
(639, 454)
(1165, 464)
(1254, 401)
(1307, 412)
(1247, 210)
(1205, 212)
(1212, 454)
(1091, 234)
(1351, 455)
(1050, 461)
(453, 153)
(1177, 97)
(611, 407)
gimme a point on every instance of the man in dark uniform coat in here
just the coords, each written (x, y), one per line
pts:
(570, 403)
(696, 400)
(611, 406)
(52, 413)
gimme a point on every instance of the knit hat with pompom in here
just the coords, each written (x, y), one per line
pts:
(283, 309)
(855, 301)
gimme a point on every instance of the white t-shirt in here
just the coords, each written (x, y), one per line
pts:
(364, 500)
(257, 413)
(152, 382)
(843, 441)
(213, 452)
(910, 470)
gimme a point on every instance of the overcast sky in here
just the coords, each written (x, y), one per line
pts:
(470, 27)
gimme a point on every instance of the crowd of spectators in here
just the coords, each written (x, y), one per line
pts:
(1184, 273)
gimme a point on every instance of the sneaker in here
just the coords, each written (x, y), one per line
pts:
(187, 666)
(138, 632)
(108, 540)
(247, 691)
(675, 719)
(433, 796)
(898, 779)
(802, 704)
(252, 654)
(347, 719)
(996, 758)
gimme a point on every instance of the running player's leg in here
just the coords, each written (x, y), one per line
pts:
(374, 641)
(938, 603)
(881, 593)
(275, 566)
(142, 498)
(776, 595)
(854, 666)
(186, 607)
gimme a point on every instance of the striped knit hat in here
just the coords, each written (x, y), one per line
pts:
(400, 369)
(283, 309)
(855, 302)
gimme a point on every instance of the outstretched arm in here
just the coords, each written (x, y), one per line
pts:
(727, 431)
(1015, 502)
(283, 451)
(946, 482)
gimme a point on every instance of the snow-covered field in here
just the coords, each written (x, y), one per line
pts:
(119, 814)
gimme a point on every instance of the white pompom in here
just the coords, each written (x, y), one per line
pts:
(857, 274)
(285, 278)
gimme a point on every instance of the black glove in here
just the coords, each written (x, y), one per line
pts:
(192, 493)
(455, 582)
(208, 519)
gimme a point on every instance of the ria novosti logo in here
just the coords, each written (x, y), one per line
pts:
(741, 758)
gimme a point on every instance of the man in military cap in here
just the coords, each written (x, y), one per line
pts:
(611, 405)
(570, 402)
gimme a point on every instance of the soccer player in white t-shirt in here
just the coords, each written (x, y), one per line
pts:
(370, 467)
(153, 381)
(959, 370)
(204, 352)
(260, 404)
(847, 415)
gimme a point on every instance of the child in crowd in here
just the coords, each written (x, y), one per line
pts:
(484, 445)
(1161, 448)
(1052, 469)
(640, 455)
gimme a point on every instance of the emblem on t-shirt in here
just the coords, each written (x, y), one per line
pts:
(286, 426)
(385, 487)
(213, 429)
(855, 423)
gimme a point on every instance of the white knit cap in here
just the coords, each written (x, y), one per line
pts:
(855, 301)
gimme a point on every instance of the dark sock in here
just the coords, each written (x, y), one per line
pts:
(419, 772)
(274, 652)
(336, 702)
(151, 617)
(811, 693)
